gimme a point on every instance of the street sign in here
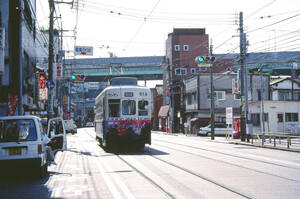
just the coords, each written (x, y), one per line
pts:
(83, 50)
(204, 65)
(235, 86)
(229, 115)
(50, 84)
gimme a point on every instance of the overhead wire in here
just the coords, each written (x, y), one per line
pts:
(139, 29)
(260, 9)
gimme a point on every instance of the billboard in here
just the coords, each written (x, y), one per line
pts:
(83, 50)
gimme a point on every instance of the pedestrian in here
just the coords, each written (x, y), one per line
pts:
(186, 128)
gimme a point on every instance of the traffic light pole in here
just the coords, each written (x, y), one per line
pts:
(212, 102)
(208, 62)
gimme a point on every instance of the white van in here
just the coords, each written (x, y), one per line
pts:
(21, 143)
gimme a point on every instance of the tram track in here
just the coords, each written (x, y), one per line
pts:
(228, 163)
(203, 177)
(164, 191)
(230, 155)
(156, 185)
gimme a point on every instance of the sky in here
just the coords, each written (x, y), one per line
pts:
(140, 27)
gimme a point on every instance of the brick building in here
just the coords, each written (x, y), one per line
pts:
(182, 46)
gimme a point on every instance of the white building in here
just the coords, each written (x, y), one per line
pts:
(280, 116)
(282, 113)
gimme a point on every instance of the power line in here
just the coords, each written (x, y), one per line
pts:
(141, 25)
(261, 9)
(274, 23)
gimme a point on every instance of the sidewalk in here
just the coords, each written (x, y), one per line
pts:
(294, 145)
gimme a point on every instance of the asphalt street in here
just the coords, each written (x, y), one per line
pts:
(172, 167)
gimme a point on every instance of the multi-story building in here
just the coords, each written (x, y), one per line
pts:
(198, 103)
(18, 82)
(182, 47)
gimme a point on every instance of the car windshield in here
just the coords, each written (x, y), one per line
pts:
(17, 130)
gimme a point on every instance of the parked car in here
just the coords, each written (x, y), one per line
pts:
(21, 143)
(196, 124)
(70, 126)
(220, 129)
(89, 124)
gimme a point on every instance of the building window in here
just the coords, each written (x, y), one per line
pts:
(193, 70)
(258, 95)
(255, 117)
(180, 71)
(191, 98)
(220, 95)
(237, 97)
(186, 47)
(177, 47)
(297, 96)
(183, 71)
(291, 117)
(283, 96)
(177, 71)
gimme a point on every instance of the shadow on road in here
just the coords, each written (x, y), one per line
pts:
(23, 185)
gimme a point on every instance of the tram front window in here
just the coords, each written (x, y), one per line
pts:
(114, 107)
(143, 107)
(128, 107)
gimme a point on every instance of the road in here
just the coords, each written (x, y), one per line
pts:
(172, 167)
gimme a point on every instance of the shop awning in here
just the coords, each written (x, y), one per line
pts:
(163, 111)
(200, 119)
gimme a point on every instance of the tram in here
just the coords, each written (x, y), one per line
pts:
(123, 115)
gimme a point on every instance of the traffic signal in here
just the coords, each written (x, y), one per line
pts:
(199, 59)
(205, 61)
(78, 78)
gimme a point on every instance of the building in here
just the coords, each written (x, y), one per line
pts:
(280, 117)
(281, 113)
(157, 104)
(285, 89)
(182, 47)
(18, 80)
(197, 92)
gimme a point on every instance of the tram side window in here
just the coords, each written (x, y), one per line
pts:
(143, 107)
(114, 107)
(128, 107)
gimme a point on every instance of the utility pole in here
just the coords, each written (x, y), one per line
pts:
(242, 59)
(212, 100)
(263, 128)
(50, 61)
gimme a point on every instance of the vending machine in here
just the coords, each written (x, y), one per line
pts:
(236, 128)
